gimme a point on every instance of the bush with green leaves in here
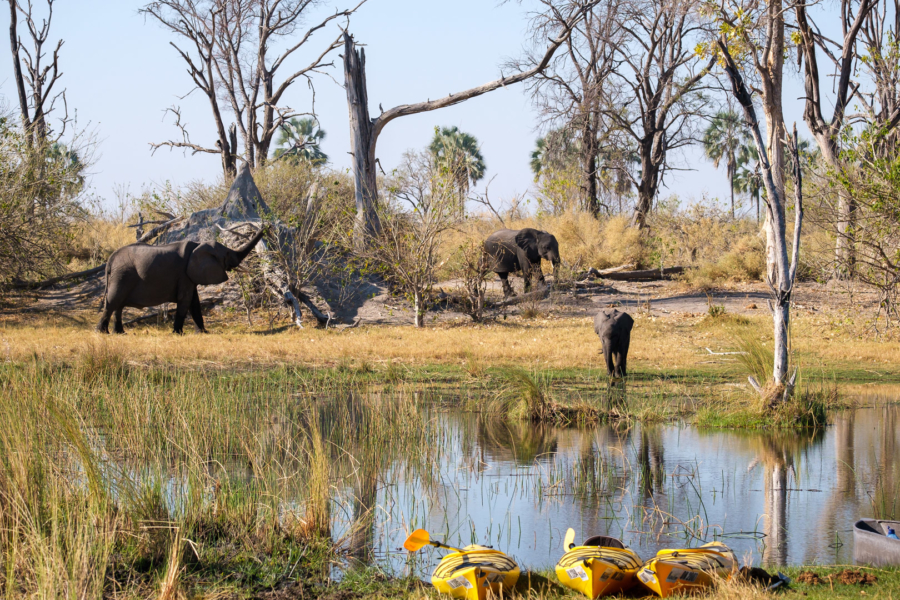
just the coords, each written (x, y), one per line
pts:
(40, 190)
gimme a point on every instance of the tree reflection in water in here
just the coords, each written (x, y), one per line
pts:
(779, 453)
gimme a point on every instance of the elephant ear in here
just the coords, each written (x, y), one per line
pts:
(527, 240)
(207, 265)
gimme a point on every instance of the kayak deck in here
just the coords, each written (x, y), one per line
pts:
(598, 571)
(677, 570)
(471, 573)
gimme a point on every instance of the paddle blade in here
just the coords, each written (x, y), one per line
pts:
(416, 540)
(570, 538)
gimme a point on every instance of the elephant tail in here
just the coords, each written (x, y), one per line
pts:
(105, 286)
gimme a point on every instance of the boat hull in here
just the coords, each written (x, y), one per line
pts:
(872, 547)
(685, 570)
(597, 571)
(475, 573)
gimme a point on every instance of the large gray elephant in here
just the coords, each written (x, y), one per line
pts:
(140, 275)
(514, 250)
(614, 329)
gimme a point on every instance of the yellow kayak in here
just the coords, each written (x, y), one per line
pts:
(687, 569)
(469, 573)
(599, 567)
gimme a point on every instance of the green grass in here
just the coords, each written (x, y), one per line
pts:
(543, 585)
(203, 482)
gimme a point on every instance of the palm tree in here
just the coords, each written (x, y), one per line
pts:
(458, 153)
(298, 139)
(538, 156)
(747, 178)
(722, 140)
(69, 164)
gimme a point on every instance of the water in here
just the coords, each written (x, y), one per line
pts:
(776, 498)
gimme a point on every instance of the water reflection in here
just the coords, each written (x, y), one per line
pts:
(776, 498)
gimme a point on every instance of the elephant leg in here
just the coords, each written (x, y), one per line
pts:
(623, 355)
(528, 275)
(196, 312)
(103, 323)
(179, 322)
(608, 357)
(507, 289)
(181, 311)
(119, 328)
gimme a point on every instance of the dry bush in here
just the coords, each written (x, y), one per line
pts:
(702, 236)
(94, 239)
(744, 262)
(583, 240)
(284, 185)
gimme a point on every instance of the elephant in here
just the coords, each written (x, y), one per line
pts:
(141, 275)
(513, 250)
(614, 329)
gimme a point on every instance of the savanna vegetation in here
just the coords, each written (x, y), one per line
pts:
(255, 462)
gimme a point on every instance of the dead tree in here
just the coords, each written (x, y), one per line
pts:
(364, 130)
(569, 91)
(35, 84)
(879, 33)
(655, 103)
(825, 132)
(230, 56)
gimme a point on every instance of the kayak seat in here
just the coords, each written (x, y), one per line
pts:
(604, 541)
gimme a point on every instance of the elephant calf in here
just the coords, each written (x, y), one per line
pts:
(521, 250)
(614, 329)
(140, 275)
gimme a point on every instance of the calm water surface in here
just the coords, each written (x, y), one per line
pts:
(775, 498)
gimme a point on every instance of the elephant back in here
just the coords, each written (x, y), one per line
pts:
(501, 247)
(612, 321)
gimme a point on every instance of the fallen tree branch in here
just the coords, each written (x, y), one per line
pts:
(158, 230)
(319, 315)
(37, 285)
(534, 296)
(597, 274)
(646, 275)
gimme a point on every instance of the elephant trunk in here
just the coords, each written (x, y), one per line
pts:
(238, 256)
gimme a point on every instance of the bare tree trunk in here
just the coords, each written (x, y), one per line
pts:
(419, 308)
(647, 188)
(731, 183)
(826, 132)
(362, 143)
(364, 131)
(783, 273)
(589, 168)
(17, 66)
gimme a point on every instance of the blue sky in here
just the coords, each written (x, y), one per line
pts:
(121, 73)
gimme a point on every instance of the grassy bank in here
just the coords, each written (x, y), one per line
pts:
(679, 366)
(543, 585)
(117, 480)
(661, 347)
(130, 477)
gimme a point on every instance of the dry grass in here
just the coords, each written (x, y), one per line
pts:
(659, 345)
(94, 240)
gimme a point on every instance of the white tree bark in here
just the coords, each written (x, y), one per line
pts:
(781, 278)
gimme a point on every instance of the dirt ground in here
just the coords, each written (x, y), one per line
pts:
(371, 303)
